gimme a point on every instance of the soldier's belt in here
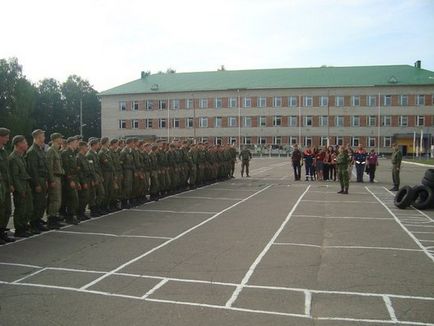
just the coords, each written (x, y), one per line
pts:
(358, 162)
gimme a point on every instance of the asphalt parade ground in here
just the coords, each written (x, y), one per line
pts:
(263, 250)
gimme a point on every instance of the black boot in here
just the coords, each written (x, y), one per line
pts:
(346, 191)
(341, 192)
(72, 220)
(22, 233)
(5, 236)
(52, 223)
(34, 228)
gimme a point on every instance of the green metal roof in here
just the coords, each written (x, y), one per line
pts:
(277, 79)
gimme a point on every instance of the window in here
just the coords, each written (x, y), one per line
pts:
(162, 105)
(148, 123)
(122, 124)
(218, 141)
(203, 103)
(162, 123)
(247, 140)
(372, 121)
(372, 100)
(135, 124)
(277, 102)
(355, 141)
(420, 120)
(204, 140)
(175, 123)
(292, 140)
(387, 121)
(232, 140)
(307, 141)
(277, 121)
(247, 102)
(218, 122)
(420, 100)
(292, 101)
(355, 121)
(218, 103)
(149, 105)
(292, 121)
(122, 106)
(308, 101)
(371, 142)
(262, 140)
(339, 101)
(339, 140)
(355, 100)
(232, 121)
(403, 121)
(324, 101)
(277, 140)
(387, 141)
(387, 100)
(262, 121)
(247, 122)
(134, 106)
(175, 104)
(308, 121)
(339, 121)
(324, 141)
(233, 102)
(261, 102)
(189, 103)
(189, 122)
(403, 100)
(203, 122)
(323, 121)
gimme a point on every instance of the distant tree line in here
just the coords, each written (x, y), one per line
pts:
(49, 104)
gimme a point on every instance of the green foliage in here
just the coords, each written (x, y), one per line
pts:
(48, 105)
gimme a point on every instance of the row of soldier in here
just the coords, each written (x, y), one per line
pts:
(61, 180)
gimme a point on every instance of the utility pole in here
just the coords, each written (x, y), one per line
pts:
(81, 117)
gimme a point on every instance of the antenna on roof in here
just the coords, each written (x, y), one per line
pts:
(222, 68)
(144, 74)
(418, 64)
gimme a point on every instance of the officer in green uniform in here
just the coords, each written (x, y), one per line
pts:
(146, 148)
(108, 174)
(38, 170)
(245, 157)
(20, 180)
(97, 193)
(128, 166)
(343, 160)
(233, 160)
(137, 174)
(154, 173)
(117, 181)
(5, 201)
(396, 160)
(70, 180)
(193, 156)
(55, 174)
(84, 179)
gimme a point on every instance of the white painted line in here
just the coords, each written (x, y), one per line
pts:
(345, 217)
(252, 268)
(173, 239)
(169, 211)
(429, 255)
(155, 288)
(229, 189)
(74, 270)
(20, 265)
(340, 201)
(29, 275)
(335, 193)
(419, 164)
(308, 303)
(376, 321)
(344, 247)
(113, 235)
(390, 309)
(209, 198)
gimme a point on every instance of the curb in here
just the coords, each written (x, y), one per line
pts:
(419, 164)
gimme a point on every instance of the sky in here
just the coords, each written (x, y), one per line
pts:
(109, 42)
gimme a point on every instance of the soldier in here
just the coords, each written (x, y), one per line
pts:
(97, 193)
(128, 166)
(137, 173)
(38, 170)
(84, 178)
(342, 162)
(20, 180)
(245, 157)
(193, 165)
(296, 159)
(5, 184)
(117, 181)
(108, 171)
(396, 160)
(233, 160)
(55, 174)
(146, 169)
(70, 179)
(154, 173)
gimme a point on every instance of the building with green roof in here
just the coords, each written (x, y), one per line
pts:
(369, 105)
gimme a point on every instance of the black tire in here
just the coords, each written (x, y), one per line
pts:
(404, 197)
(423, 197)
(428, 183)
(429, 174)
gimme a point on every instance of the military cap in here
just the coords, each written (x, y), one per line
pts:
(104, 140)
(93, 141)
(18, 139)
(135, 139)
(78, 137)
(129, 141)
(70, 139)
(55, 136)
(4, 132)
(113, 141)
(37, 132)
(82, 143)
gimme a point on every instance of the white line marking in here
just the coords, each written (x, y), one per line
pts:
(340, 201)
(403, 227)
(114, 235)
(20, 265)
(390, 309)
(229, 189)
(155, 288)
(343, 247)
(335, 193)
(168, 211)
(171, 240)
(249, 273)
(422, 232)
(375, 321)
(209, 198)
(345, 217)
(29, 275)
(308, 303)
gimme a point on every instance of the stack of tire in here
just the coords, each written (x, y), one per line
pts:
(420, 197)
